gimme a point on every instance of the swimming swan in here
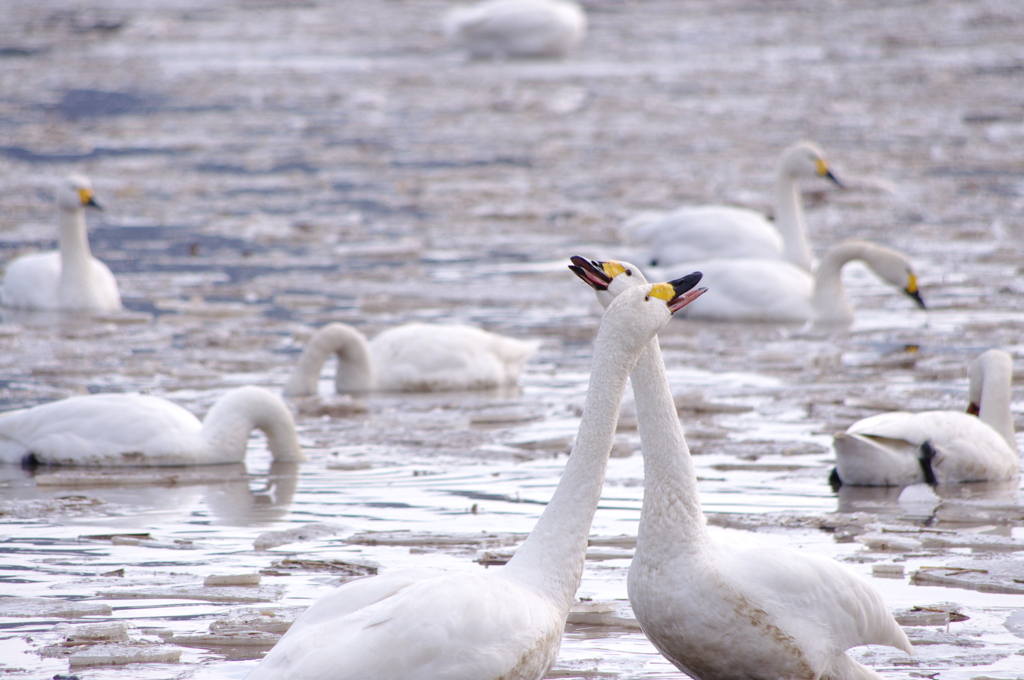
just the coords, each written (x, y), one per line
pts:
(485, 625)
(718, 611)
(146, 431)
(937, 447)
(516, 28)
(69, 279)
(773, 290)
(413, 357)
(704, 232)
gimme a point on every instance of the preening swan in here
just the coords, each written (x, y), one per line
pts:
(485, 625)
(696, 233)
(413, 357)
(937, 447)
(720, 612)
(517, 28)
(773, 290)
(69, 279)
(142, 430)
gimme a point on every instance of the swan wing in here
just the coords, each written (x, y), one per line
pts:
(517, 27)
(452, 627)
(33, 282)
(755, 290)
(965, 447)
(102, 429)
(708, 232)
(426, 357)
(826, 607)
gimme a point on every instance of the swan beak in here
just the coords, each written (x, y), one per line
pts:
(591, 272)
(912, 290)
(88, 200)
(827, 174)
(684, 291)
(973, 409)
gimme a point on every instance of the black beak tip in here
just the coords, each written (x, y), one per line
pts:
(91, 203)
(685, 283)
(835, 179)
(918, 299)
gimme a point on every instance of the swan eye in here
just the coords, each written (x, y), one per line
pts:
(629, 272)
(647, 298)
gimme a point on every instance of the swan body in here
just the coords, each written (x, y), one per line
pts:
(938, 447)
(146, 431)
(759, 290)
(69, 279)
(718, 611)
(412, 357)
(517, 28)
(706, 232)
(499, 624)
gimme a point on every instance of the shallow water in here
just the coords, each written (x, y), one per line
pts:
(269, 167)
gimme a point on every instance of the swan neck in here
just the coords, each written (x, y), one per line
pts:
(355, 372)
(830, 302)
(228, 424)
(994, 408)
(789, 220)
(670, 518)
(551, 559)
(75, 255)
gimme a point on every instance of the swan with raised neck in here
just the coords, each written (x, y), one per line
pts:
(138, 430)
(937, 447)
(69, 279)
(716, 612)
(413, 357)
(477, 625)
(692, 234)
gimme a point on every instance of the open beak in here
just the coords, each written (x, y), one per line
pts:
(591, 272)
(685, 291)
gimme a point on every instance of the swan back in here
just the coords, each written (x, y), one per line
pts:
(517, 28)
(227, 426)
(990, 376)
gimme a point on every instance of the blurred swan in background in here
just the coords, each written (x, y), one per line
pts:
(413, 357)
(143, 430)
(499, 623)
(721, 611)
(760, 290)
(696, 233)
(69, 279)
(937, 447)
(516, 28)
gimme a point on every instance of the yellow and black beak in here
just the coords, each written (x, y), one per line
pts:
(824, 171)
(679, 292)
(88, 200)
(913, 291)
(591, 271)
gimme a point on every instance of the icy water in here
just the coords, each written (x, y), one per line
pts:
(268, 167)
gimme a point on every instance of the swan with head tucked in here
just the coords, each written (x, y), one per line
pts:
(146, 431)
(759, 290)
(937, 447)
(718, 231)
(719, 612)
(413, 357)
(69, 279)
(496, 624)
(516, 28)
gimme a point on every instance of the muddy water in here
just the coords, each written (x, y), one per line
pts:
(271, 166)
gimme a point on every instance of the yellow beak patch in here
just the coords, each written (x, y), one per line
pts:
(822, 167)
(612, 268)
(85, 196)
(911, 283)
(663, 291)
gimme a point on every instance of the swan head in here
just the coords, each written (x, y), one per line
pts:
(643, 310)
(75, 193)
(894, 268)
(806, 159)
(607, 278)
(992, 363)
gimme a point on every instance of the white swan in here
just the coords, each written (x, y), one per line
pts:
(413, 357)
(937, 447)
(718, 231)
(517, 28)
(772, 290)
(69, 279)
(717, 611)
(143, 430)
(504, 623)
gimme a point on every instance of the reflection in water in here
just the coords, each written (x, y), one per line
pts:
(141, 494)
(971, 504)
